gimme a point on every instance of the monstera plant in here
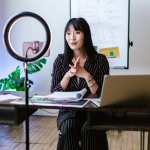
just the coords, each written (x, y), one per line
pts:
(14, 81)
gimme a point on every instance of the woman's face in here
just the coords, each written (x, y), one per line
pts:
(75, 39)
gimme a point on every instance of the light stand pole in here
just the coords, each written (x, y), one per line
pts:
(12, 52)
(27, 105)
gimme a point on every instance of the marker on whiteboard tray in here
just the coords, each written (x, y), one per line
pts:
(119, 67)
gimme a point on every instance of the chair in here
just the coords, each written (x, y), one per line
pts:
(60, 144)
(101, 142)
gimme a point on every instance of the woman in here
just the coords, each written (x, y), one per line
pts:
(80, 66)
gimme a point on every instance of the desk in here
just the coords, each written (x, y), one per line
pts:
(13, 115)
(137, 119)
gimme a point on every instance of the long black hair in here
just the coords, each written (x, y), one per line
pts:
(81, 25)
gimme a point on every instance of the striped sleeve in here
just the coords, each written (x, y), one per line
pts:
(56, 74)
(103, 70)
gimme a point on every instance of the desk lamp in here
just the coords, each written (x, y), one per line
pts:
(12, 52)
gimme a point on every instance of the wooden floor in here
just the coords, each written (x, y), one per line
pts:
(44, 136)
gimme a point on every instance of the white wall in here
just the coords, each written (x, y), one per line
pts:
(56, 13)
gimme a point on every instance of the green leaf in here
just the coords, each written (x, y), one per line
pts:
(5, 87)
(20, 89)
(15, 73)
(9, 76)
(36, 66)
(40, 65)
(13, 82)
(2, 81)
(1, 86)
(21, 81)
(43, 60)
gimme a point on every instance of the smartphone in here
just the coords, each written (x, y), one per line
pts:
(30, 52)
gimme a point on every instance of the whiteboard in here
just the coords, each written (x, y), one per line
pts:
(109, 24)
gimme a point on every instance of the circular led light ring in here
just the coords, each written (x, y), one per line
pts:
(6, 36)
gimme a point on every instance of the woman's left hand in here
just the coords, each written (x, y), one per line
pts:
(80, 71)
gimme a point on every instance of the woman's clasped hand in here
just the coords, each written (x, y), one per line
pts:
(76, 69)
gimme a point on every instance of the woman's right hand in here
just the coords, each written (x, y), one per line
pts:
(65, 81)
(73, 69)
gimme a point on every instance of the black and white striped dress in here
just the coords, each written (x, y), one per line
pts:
(97, 65)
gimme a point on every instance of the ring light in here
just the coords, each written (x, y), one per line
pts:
(6, 36)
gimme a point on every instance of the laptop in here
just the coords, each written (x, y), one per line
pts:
(124, 90)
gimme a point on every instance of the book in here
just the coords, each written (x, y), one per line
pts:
(75, 95)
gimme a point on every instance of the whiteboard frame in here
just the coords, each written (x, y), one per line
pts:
(128, 39)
